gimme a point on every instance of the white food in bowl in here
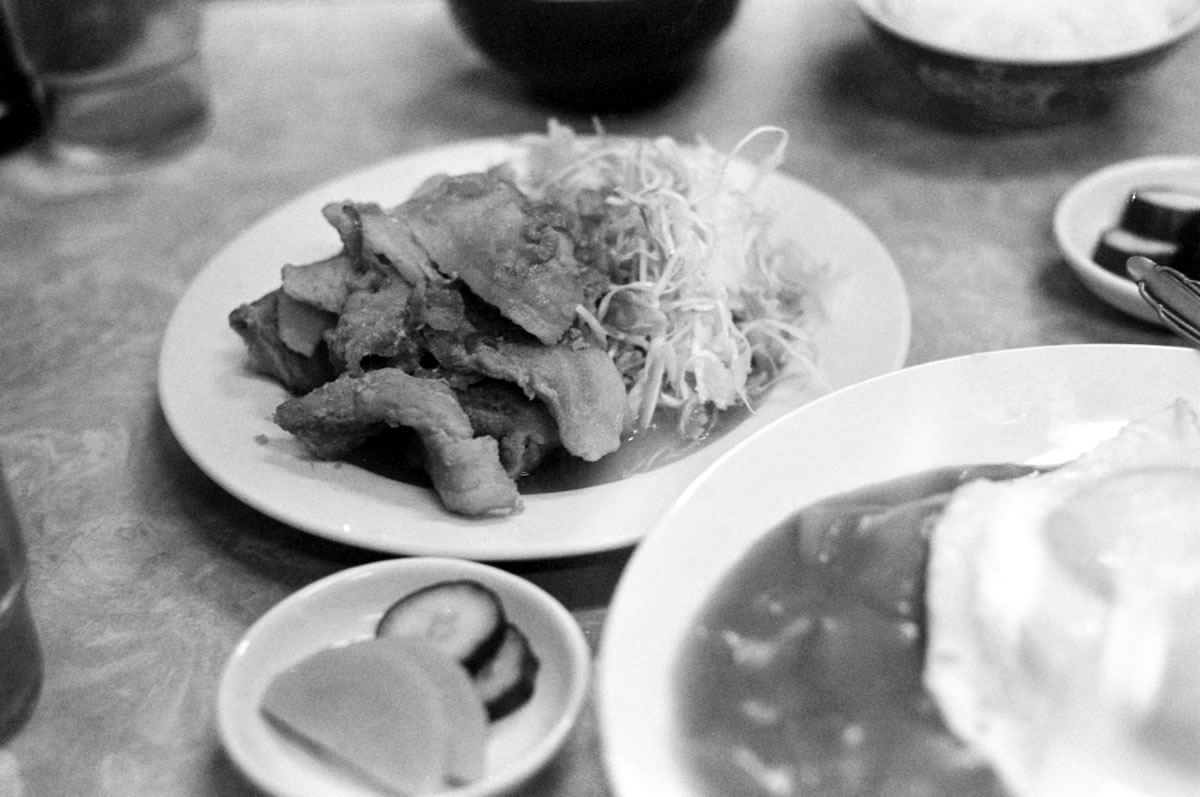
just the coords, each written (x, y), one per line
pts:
(1038, 29)
(1064, 618)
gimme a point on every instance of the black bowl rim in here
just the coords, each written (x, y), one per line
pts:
(1188, 26)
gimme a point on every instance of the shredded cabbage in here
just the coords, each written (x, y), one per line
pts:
(704, 306)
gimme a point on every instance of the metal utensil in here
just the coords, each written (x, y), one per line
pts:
(1174, 297)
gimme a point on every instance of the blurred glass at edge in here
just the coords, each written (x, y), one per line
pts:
(20, 652)
(119, 82)
(20, 117)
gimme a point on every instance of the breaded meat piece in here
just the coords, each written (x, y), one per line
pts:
(372, 330)
(327, 283)
(524, 427)
(381, 242)
(580, 386)
(466, 470)
(257, 323)
(514, 254)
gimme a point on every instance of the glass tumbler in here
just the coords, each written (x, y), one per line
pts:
(20, 653)
(121, 81)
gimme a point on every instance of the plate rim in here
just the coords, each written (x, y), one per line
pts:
(663, 540)
(487, 541)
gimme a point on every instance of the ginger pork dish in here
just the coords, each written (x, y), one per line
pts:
(591, 293)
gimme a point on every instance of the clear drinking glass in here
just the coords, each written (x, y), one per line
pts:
(122, 81)
(20, 653)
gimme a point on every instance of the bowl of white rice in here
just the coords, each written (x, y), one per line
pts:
(1028, 63)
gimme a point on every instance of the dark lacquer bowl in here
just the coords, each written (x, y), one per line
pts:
(596, 52)
(1025, 86)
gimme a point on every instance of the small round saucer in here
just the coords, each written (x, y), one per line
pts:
(347, 606)
(1095, 203)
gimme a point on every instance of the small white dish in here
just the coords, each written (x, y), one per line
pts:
(1038, 405)
(345, 607)
(1094, 204)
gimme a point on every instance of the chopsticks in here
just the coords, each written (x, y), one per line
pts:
(1174, 297)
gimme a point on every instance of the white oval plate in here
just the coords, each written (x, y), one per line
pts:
(1038, 405)
(347, 606)
(221, 412)
(1095, 203)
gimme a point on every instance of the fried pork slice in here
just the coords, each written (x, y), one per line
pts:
(524, 427)
(381, 242)
(372, 330)
(466, 470)
(326, 284)
(580, 386)
(257, 324)
(328, 420)
(516, 255)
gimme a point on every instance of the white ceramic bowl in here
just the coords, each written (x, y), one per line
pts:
(1031, 88)
(1095, 203)
(347, 606)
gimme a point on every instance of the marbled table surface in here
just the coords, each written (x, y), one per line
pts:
(145, 573)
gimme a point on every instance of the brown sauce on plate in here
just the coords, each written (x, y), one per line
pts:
(803, 672)
(658, 446)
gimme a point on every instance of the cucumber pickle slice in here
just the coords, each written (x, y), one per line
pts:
(1160, 212)
(466, 621)
(462, 618)
(506, 682)
(1117, 245)
(1161, 222)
